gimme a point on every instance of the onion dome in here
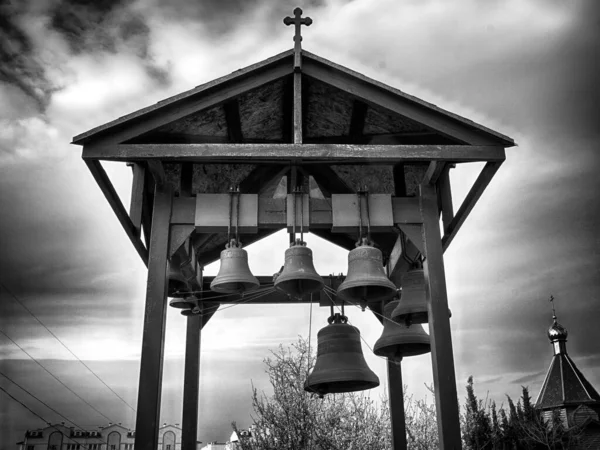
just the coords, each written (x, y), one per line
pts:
(557, 332)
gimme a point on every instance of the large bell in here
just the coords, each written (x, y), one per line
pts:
(340, 365)
(366, 281)
(299, 276)
(412, 307)
(177, 286)
(234, 274)
(399, 340)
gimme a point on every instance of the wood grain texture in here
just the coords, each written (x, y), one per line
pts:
(191, 383)
(137, 197)
(444, 378)
(396, 399)
(284, 153)
(153, 337)
(117, 206)
(484, 178)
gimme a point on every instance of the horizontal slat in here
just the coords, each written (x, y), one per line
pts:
(284, 153)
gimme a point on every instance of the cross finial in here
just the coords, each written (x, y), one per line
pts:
(553, 311)
(297, 21)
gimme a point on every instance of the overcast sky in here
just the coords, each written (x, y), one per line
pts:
(528, 69)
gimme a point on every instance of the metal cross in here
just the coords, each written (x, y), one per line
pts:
(297, 21)
(553, 311)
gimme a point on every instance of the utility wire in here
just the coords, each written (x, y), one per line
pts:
(55, 377)
(44, 420)
(65, 346)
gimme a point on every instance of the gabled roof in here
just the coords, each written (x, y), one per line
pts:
(260, 91)
(565, 385)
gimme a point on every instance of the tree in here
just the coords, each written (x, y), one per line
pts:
(290, 418)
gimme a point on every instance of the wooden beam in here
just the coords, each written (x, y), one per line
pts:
(287, 110)
(433, 172)
(484, 178)
(328, 181)
(234, 124)
(158, 172)
(297, 108)
(153, 337)
(286, 153)
(371, 91)
(444, 378)
(445, 198)
(187, 103)
(396, 399)
(191, 383)
(137, 197)
(117, 206)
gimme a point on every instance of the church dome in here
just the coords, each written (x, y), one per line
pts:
(557, 331)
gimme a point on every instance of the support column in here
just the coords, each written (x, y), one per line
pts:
(153, 338)
(191, 383)
(444, 378)
(396, 396)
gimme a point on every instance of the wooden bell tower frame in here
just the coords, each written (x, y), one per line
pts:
(303, 117)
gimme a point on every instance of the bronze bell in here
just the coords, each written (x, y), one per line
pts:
(399, 340)
(184, 303)
(340, 365)
(412, 307)
(177, 286)
(234, 274)
(366, 281)
(299, 276)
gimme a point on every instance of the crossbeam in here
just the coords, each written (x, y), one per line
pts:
(297, 153)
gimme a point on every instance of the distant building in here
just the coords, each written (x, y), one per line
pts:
(111, 437)
(567, 392)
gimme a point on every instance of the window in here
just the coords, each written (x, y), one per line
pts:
(113, 447)
(168, 447)
(30, 447)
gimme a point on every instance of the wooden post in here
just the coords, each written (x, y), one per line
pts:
(153, 339)
(191, 383)
(396, 395)
(444, 379)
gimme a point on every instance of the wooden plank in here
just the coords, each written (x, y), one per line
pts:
(297, 108)
(287, 110)
(137, 197)
(191, 383)
(158, 172)
(445, 198)
(444, 378)
(372, 91)
(284, 153)
(153, 337)
(433, 173)
(117, 206)
(396, 399)
(224, 213)
(347, 217)
(234, 124)
(484, 178)
(186, 103)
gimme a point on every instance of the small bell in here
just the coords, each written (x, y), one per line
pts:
(399, 340)
(234, 274)
(366, 281)
(177, 286)
(298, 276)
(412, 307)
(184, 303)
(340, 365)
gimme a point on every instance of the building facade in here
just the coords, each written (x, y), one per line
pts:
(111, 437)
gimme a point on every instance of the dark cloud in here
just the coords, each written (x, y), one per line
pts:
(19, 64)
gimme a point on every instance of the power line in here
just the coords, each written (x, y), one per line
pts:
(55, 377)
(44, 420)
(65, 346)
